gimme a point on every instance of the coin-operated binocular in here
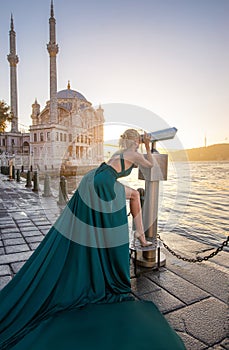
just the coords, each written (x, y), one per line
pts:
(148, 256)
(161, 135)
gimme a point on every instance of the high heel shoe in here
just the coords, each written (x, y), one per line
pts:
(141, 238)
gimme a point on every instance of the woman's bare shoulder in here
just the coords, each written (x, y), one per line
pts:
(131, 155)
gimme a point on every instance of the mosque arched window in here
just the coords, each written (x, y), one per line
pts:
(25, 147)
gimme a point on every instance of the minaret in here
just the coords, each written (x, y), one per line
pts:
(13, 60)
(35, 112)
(52, 48)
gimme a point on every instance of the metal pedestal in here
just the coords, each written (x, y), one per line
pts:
(158, 260)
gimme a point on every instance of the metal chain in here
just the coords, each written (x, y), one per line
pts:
(198, 259)
(193, 260)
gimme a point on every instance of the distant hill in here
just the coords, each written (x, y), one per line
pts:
(219, 152)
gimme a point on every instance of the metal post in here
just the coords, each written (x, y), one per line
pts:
(63, 196)
(150, 256)
(18, 175)
(47, 189)
(35, 182)
(150, 214)
(28, 179)
(10, 170)
(13, 172)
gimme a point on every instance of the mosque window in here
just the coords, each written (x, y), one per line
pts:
(65, 137)
(70, 137)
(41, 136)
(48, 136)
(61, 136)
(57, 136)
(35, 137)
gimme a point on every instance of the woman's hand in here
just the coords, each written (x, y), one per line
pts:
(146, 140)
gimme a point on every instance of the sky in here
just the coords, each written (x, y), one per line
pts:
(168, 57)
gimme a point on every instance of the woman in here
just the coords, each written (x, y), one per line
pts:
(123, 162)
(83, 260)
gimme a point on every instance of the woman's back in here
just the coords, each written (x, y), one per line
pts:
(121, 162)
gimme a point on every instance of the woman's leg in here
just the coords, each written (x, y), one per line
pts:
(135, 207)
(136, 212)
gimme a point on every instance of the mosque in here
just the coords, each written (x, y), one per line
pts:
(66, 134)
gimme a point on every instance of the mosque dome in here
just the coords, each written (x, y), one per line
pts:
(69, 93)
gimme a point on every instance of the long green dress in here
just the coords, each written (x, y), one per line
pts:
(74, 290)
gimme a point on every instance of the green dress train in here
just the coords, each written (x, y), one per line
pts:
(74, 290)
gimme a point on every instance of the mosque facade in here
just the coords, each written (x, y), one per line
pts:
(66, 133)
(74, 138)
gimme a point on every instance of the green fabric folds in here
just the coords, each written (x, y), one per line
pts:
(77, 280)
(130, 325)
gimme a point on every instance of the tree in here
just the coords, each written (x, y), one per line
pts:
(5, 115)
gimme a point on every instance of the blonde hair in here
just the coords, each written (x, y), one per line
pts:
(128, 138)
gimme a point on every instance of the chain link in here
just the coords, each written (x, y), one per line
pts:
(198, 258)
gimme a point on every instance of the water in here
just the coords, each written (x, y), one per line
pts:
(193, 201)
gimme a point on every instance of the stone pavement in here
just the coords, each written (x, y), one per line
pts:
(192, 297)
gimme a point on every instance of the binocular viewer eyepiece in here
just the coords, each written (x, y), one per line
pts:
(160, 135)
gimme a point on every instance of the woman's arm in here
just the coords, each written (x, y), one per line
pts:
(140, 159)
(149, 157)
